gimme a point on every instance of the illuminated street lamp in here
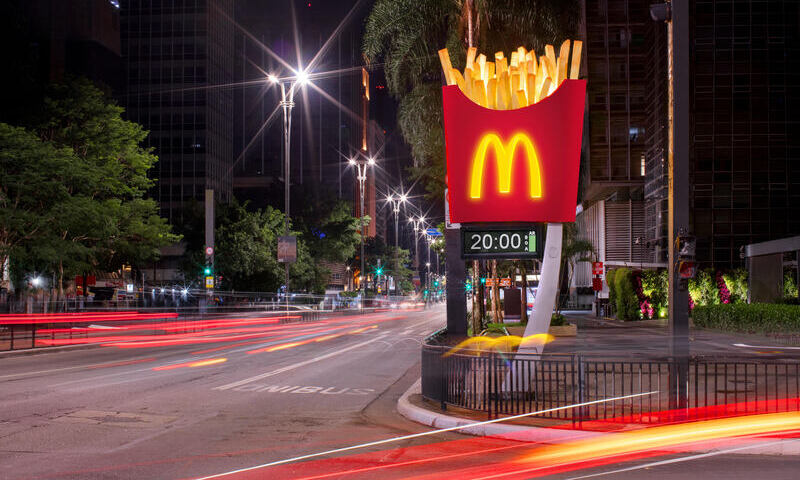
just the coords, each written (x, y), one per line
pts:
(360, 170)
(287, 102)
(395, 202)
(418, 223)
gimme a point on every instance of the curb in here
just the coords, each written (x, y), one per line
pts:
(41, 350)
(770, 446)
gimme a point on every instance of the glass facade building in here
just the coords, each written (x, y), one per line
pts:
(176, 55)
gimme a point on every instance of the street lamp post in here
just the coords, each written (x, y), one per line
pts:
(361, 175)
(395, 204)
(287, 103)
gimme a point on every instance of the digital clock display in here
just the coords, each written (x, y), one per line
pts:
(508, 243)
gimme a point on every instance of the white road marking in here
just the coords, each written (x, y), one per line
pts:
(260, 387)
(422, 434)
(298, 365)
(781, 347)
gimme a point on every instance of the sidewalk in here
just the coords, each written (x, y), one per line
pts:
(609, 336)
(544, 431)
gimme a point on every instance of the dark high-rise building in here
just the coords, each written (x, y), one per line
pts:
(177, 56)
(46, 40)
(745, 147)
(613, 178)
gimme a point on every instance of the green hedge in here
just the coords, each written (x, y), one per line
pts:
(752, 318)
(627, 301)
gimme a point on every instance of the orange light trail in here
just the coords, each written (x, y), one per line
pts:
(194, 364)
(364, 329)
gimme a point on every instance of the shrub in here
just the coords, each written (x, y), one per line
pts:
(749, 318)
(655, 285)
(627, 302)
(703, 289)
(558, 320)
(789, 284)
(736, 280)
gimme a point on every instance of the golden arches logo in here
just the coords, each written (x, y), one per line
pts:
(505, 161)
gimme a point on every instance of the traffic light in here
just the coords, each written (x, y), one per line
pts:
(379, 271)
(483, 280)
(207, 270)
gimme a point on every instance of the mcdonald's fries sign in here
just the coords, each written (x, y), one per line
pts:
(516, 165)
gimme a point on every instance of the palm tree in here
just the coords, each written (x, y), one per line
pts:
(406, 35)
(573, 250)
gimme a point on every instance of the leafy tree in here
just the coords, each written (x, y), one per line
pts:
(97, 217)
(34, 180)
(573, 250)
(329, 229)
(407, 33)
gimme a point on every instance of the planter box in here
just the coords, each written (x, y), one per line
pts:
(569, 330)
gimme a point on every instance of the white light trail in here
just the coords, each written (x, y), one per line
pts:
(423, 434)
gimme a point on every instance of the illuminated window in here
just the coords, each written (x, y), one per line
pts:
(641, 159)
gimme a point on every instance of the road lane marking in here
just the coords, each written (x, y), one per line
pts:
(260, 387)
(744, 345)
(297, 365)
(423, 434)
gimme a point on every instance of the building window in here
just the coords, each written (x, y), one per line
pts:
(641, 163)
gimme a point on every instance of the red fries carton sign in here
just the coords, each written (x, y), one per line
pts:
(517, 165)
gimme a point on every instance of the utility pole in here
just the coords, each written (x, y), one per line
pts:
(676, 14)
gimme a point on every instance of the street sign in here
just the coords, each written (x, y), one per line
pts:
(500, 282)
(432, 232)
(287, 249)
(597, 268)
(209, 251)
(480, 243)
(209, 281)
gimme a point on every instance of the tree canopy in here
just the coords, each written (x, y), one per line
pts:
(73, 187)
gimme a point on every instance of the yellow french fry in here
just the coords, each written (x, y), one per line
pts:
(489, 71)
(459, 79)
(514, 59)
(491, 93)
(479, 92)
(521, 99)
(444, 59)
(545, 91)
(577, 46)
(531, 88)
(550, 53)
(563, 59)
(501, 65)
(515, 82)
(504, 92)
(471, 51)
(468, 81)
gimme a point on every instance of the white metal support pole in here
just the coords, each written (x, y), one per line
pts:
(546, 293)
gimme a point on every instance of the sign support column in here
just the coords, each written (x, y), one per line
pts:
(679, 48)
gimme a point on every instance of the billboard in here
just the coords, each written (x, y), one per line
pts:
(517, 165)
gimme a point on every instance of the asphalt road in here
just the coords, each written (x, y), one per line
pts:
(213, 403)
(115, 412)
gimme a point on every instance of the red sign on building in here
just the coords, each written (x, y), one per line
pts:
(514, 165)
(597, 268)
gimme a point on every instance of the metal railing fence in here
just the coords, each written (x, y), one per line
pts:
(514, 384)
